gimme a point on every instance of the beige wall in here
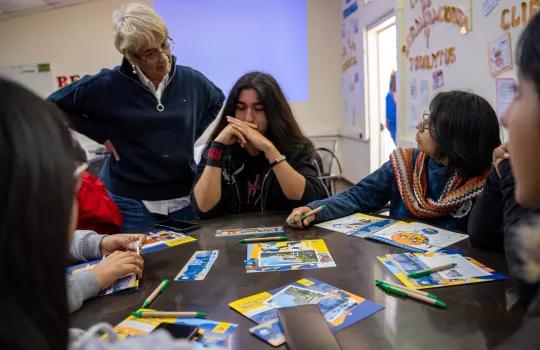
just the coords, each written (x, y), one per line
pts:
(78, 40)
(358, 157)
(321, 114)
(75, 39)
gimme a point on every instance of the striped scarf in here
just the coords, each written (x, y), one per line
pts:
(411, 180)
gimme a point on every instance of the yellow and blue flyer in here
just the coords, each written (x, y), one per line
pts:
(288, 255)
(467, 270)
(198, 266)
(340, 308)
(128, 283)
(249, 231)
(162, 239)
(417, 237)
(270, 332)
(358, 224)
(212, 334)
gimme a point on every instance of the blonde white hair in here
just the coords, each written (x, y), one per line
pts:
(137, 26)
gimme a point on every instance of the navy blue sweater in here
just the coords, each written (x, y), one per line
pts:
(155, 147)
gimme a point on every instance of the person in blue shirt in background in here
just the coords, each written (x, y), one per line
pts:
(436, 182)
(391, 107)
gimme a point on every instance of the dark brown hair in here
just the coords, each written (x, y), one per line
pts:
(282, 129)
(36, 198)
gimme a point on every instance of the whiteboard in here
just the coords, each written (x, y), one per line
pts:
(459, 58)
(37, 77)
(352, 77)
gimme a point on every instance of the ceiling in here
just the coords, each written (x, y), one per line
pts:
(14, 8)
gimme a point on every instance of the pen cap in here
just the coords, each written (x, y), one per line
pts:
(166, 282)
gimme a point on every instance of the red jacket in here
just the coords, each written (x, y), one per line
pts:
(97, 211)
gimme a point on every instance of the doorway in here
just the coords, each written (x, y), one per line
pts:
(381, 65)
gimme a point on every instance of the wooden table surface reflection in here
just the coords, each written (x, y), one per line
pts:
(476, 317)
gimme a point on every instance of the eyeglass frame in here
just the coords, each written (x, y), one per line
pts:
(169, 42)
(425, 120)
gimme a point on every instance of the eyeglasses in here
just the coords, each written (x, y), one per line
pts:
(424, 123)
(155, 54)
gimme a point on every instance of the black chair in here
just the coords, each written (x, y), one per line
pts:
(328, 168)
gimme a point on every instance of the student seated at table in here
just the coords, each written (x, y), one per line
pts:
(97, 211)
(523, 122)
(89, 245)
(494, 220)
(257, 158)
(436, 182)
(37, 218)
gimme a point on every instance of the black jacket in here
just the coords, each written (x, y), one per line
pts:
(495, 211)
(272, 197)
(494, 221)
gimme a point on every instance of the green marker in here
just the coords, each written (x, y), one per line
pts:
(169, 314)
(429, 295)
(263, 239)
(438, 303)
(159, 289)
(428, 272)
(309, 213)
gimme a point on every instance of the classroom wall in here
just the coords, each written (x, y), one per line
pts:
(468, 69)
(357, 156)
(78, 40)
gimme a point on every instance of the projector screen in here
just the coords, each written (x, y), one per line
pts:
(224, 39)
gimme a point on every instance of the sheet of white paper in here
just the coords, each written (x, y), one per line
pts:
(424, 94)
(464, 267)
(506, 90)
(488, 6)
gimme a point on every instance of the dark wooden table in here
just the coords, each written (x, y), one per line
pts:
(476, 317)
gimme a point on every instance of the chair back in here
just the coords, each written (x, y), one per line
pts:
(328, 167)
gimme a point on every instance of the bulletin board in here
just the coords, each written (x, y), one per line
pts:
(456, 44)
(352, 72)
(35, 76)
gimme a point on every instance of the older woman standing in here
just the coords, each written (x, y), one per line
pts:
(148, 112)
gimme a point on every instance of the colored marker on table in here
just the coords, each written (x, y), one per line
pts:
(407, 289)
(309, 213)
(427, 272)
(169, 314)
(159, 289)
(435, 302)
(263, 239)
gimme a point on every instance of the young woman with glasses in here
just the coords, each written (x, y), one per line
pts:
(148, 112)
(436, 182)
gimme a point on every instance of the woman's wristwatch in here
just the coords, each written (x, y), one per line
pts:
(278, 160)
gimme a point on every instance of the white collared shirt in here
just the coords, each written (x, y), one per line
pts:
(157, 92)
(164, 207)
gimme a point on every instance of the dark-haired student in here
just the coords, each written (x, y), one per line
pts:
(436, 182)
(97, 211)
(257, 158)
(119, 261)
(494, 220)
(38, 168)
(523, 122)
